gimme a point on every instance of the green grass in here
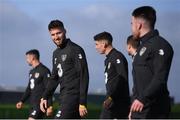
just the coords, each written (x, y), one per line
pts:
(9, 111)
(175, 111)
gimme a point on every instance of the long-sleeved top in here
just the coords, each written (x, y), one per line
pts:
(38, 80)
(151, 68)
(70, 70)
(116, 78)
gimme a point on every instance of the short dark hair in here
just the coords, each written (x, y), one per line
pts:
(104, 35)
(34, 52)
(147, 13)
(55, 24)
(133, 42)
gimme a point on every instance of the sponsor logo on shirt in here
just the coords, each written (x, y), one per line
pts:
(118, 61)
(161, 52)
(48, 75)
(80, 56)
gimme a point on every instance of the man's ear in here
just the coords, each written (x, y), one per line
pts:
(105, 44)
(129, 46)
(33, 57)
(139, 25)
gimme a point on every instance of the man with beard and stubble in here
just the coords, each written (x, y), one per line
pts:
(151, 67)
(70, 70)
(38, 80)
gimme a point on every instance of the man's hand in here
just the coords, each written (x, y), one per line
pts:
(136, 106)
(129, 116)
(107, 103)
(19, 105)
(43, 105)
(49, 111)
(82, 110)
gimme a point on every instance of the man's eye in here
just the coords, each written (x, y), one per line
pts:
(58, 33)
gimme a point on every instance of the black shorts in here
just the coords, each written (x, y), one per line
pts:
(36, 113)
(67, 114)
(69, 107)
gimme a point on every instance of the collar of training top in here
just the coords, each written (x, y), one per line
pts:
(110, 52)
(65, 41)
(148, 35)
(38, 65)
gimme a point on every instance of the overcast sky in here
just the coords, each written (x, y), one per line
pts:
(23, 26)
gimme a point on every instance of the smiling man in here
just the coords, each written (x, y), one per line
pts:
(70, 70)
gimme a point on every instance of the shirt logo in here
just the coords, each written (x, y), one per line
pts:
(36, 75)
(161, 52)
(48, 75)
(118, 61)
(142, 51)
(55, 60)
(32, 84)
(30, 75)
(80, 56)
(109, 65)
(63, 57)
(33, 113)
(106, 77)
(58, 114)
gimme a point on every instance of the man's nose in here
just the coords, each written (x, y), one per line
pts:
(56, 36)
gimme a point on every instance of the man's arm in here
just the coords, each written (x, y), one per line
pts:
(82, 67)
(24, 97)
(161, 65)
(50, 88)
(119, 80)
(52, 82)
(26, 94)
(46, 79)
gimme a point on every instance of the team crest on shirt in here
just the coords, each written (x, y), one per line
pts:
(109, 65)
(36, 75)
(142, 51)
(63, 57)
